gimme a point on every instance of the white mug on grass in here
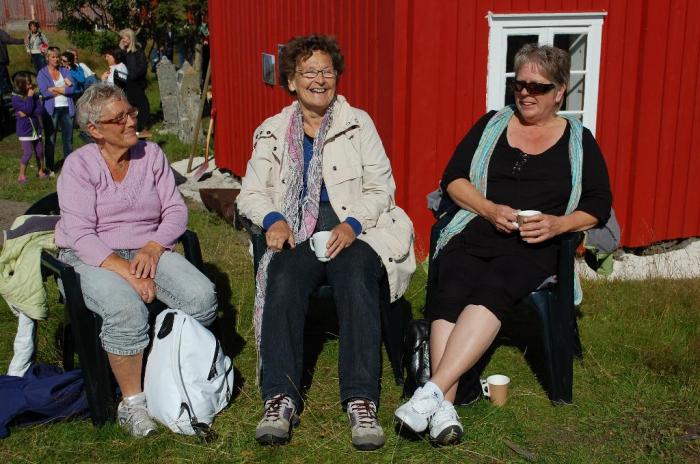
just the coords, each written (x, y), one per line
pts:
(495, 387)
(318, 243)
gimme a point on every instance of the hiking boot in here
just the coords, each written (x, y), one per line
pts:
(134, 418)
(275, 427)
(367, 434)
(416, 412)
(445, 427)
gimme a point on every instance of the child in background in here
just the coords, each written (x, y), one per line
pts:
(28, 108)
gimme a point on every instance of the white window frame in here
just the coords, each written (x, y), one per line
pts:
(545, 25)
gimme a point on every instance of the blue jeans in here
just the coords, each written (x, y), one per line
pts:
(355, 275)
(59, 120)
(124, 315)
(38, 61)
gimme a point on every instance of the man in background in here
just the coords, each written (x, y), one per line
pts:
(5, 40)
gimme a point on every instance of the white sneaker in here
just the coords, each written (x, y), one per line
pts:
(416, 412)
(134, 418)
(445, 427)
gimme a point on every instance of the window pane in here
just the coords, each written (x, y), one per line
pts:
(575, 93)
(515, 43)
(575, 44)
(510, 97)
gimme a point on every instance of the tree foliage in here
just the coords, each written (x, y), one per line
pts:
(93, 24)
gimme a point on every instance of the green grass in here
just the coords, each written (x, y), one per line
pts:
(636, 392)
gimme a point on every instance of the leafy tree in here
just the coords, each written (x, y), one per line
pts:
(93, 24)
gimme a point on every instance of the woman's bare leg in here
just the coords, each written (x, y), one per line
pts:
(440, 331)
(470, 337)
(127, 371)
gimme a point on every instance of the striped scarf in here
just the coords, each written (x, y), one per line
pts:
(300, 210)
(478, 175)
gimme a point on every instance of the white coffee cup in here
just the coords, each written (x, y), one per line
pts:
(528, 213)
(318, 243)
(495, 387)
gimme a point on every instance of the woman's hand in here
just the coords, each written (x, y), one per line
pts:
(144, 263)
(105, 75)
(278, 234)
(146, 288)
(502, 217)
(21, 114)
(67, 81)
(536, 229)
(342, 237)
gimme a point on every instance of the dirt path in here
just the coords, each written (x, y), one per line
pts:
(9, 210)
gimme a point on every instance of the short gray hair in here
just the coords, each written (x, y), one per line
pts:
(552, 62)
(93, 102)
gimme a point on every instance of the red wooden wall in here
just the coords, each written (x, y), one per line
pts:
(44, 12)
(419, 69)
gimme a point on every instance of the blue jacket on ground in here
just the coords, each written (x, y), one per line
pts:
(44, 394)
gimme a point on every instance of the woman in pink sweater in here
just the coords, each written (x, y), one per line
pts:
(121, 215)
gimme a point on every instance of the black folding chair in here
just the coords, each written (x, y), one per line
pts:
(81, 329)
(394, 316)
(554, 305)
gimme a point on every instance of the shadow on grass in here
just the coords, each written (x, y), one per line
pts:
(224, 327)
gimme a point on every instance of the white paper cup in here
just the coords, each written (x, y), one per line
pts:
(528, 213)
(318, 243)
(495, 387)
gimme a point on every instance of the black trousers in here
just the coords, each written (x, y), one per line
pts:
(136, 95)
(355, 275)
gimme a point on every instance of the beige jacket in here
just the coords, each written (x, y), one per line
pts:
(358, 178)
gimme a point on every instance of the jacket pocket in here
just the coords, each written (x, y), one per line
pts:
(341, 171)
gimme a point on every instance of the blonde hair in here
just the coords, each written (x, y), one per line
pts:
(132, 39)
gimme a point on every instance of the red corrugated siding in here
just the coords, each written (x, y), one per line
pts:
(44, 12)
(419, 68)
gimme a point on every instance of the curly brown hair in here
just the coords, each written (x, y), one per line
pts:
(300, 48)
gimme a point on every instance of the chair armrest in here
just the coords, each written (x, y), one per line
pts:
(192, 249)
(257, 238)
(565, 266)
(52, 264)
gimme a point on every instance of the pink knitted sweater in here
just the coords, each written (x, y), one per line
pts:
(99, 215)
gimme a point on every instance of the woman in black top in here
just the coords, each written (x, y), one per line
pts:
(136, 83)
(492, 263)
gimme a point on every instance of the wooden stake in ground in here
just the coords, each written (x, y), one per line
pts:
(199, 118)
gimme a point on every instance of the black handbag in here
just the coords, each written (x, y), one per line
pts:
(417, 365)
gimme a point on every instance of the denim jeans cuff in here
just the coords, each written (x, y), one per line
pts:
(346, 396)
(121, 351)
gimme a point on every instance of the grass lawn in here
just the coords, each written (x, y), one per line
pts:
(636, 392)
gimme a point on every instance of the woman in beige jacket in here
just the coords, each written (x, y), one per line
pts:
(319, 165)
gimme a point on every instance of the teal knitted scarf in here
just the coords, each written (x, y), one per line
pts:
(478, 175)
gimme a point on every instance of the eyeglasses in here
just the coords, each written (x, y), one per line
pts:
(122, 118)
(533, 88)
(313, 74)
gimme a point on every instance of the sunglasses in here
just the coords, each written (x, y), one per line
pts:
(533, 88)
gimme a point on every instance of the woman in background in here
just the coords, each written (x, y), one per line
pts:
(57, 89)
(137, 65)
